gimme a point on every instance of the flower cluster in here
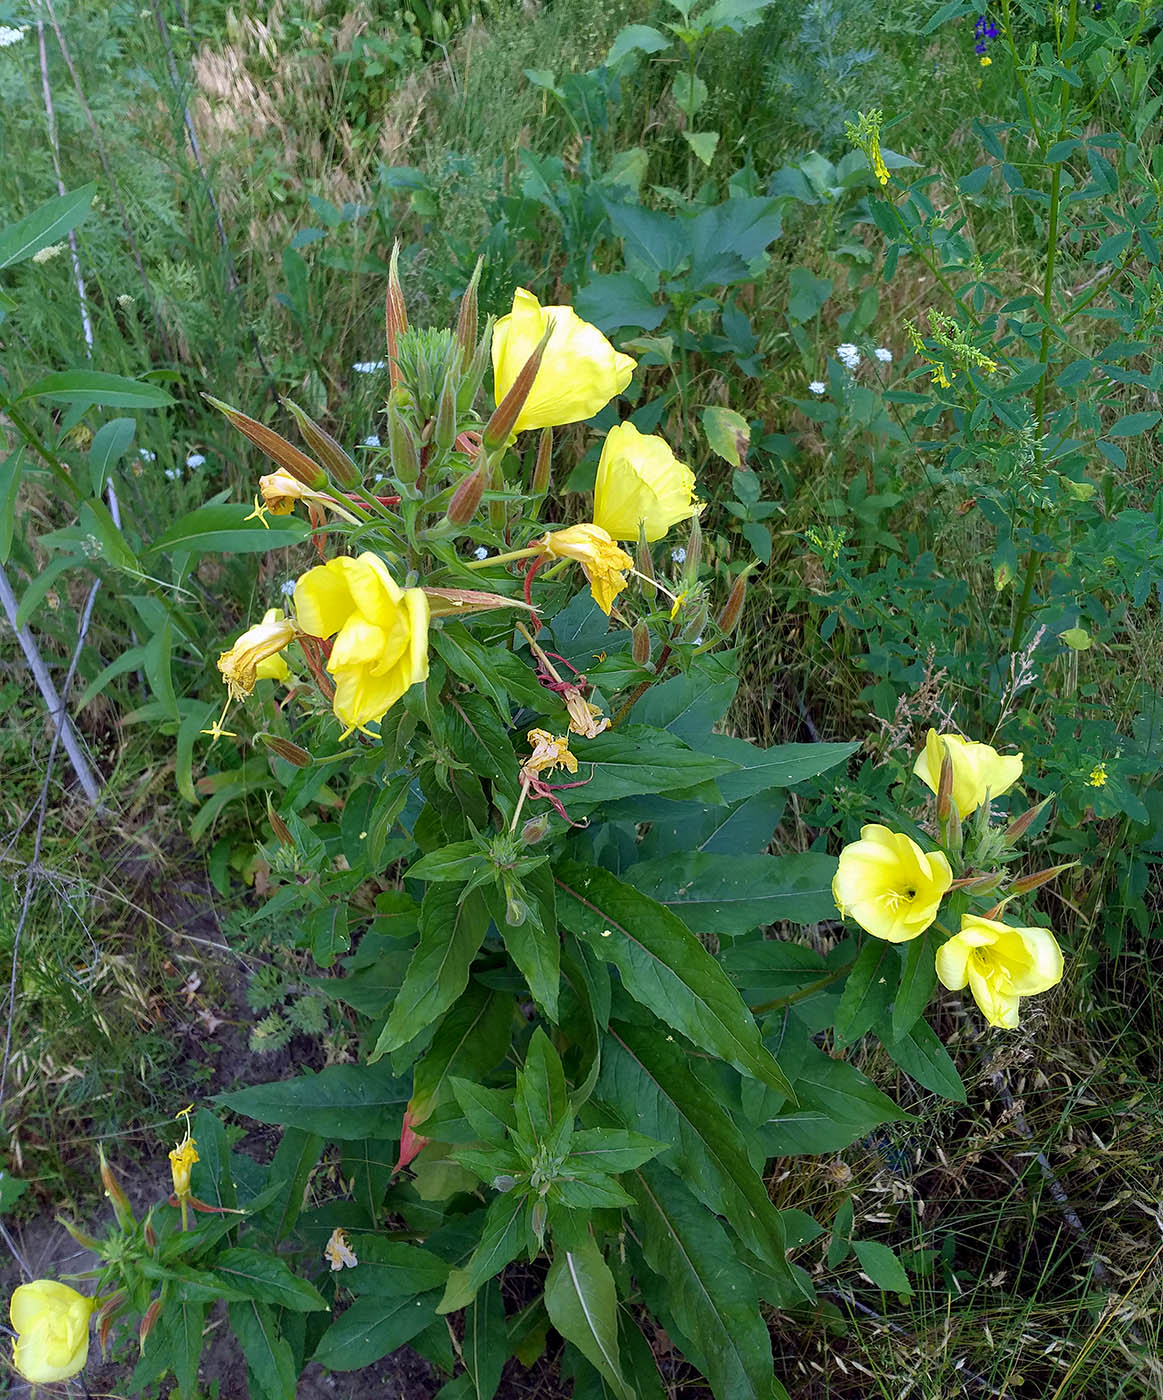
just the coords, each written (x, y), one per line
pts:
(983, 31)
(893, 889)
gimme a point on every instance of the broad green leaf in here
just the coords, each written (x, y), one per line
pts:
(612, 1150)
(638, 759)
(703, 143)
(837, 1105)
(746, 828)
(459, 861)
(270, 1363)
(338, 1103)
(689, 92)
(700, 1289)
(541, 1101)
(224, 529)
(367, 1165)
(211, 1180)
(489, 1111)
(267, 1279)
(1132, 424)
(505, 1232)
(619, 299)
(372, 1328)
(472, 1038)
(646, 1080)
(665, 967)
(882, 1266)
(97, 522)
(734, 893)
(453, 924)
(485, 1347)
(582, 1303)
(687, 706)
(781, 766)
(726, 239)
(391, 1269)
(735, 15)
(292, 1164)
(868, 991)
(921, 1055)
(636, 38)
(47, 223)
(728, 433)
(89, 386)
(807, 293)
(183, 1318)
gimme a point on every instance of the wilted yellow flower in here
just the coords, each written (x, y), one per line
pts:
(51, 1321)
(380, 630)
(605, 565)
(580, 371)
(338, 1253)
(889, 885)
(641, 481)
(256, 654)
(585, 718)
(548, 754)
(978, 770)
(280, 490)
(1000, 964)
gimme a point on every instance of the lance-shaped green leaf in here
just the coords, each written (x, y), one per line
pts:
(734, 893)
(392, 1269)
(582, 1303)
(224, 528)
(920, 1053)
(506, 1230)
(485, 1347)
(665, 967)
(638, 759)
(472, 1038)
(781, 766)
(47, 223)
(338, 1103)
(451, 930)
(837, 1104)
(270, 1363)
(700, 1289)
(918, 977)
(533, 944)
(267, 1279)
(372, 1328)
(868, 990)
(89, 386)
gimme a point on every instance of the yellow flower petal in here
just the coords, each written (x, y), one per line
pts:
(978, 770)
(1001, 964)
(640, 481)
(889, 885)
(52, 1323)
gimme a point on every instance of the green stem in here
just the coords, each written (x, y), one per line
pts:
(502, 558)
(809, 990)
(38, 445)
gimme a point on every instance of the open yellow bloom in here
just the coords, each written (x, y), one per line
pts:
(605, 565)
(51, 1321)
(978, 770)
(641, 481)
(280, 490)
(256, 654)
(380, 631)
(889, 885)
(1001, 964)
(580, 371)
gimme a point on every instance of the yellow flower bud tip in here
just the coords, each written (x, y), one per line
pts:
(605, 564)
(680, 599)
(978, 770)
(338, 1253)
(1000, 965)
(641, 485)
(182, 1159)
(580, 370)
(548, 754)
(380, 630)
(240, 664)
(889, 885)
(51, 1321)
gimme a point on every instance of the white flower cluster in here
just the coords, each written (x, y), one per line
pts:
(368, 366)
(884, 356)
(10, 35)
(43, 255)
(195, 460)
(848, 355)
(817, 387)
(373, 440)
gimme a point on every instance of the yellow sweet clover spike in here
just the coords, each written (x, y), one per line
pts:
(889, 885)
(51, 1322)
(641, 482)
(864, 133)
(1098, 776)
(605, 564)
(380, 630)
(978, 769)
(580, 370)
(1000, 964)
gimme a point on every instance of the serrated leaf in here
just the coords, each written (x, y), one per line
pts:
(703, 143)
(582, 1303)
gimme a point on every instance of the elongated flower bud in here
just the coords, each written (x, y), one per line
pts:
(404, 448)
(444, 432)
(471, 383)
(500, 426)
(732, 611)
(466, 498)
(152, 1313)
(149, 1232)
(395, 314)
(285, 749)
(466, 321)
(276, 447)
(541, 468)
(335, 460)
(1020, 825)
(694, 551)
(117, 1197)
(280, 827)
(644, 563)
(640, 643)
(84, 1240)
(1025, 883)
(945, 787)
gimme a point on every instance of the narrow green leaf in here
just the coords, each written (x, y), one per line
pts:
(338, 1103)
(372, 1328)
(732, 894)
(917, 979)
(505, 1231)
(48, 223)
(392, 1269)
(89, 386)
(472, 1038)
(110, 443)
(868, 990)
(224, 529)
(486, 1341)
(582, 1303)
(267, 1279)
(921, 1055)
(292, 1164)
(270, 1363)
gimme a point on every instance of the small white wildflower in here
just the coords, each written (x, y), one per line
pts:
(146, 455)
(379, 476)
(698, 641)
(10, 36)
(44, 255)
(173, 473)
(678, 555)
(195, 460)
(884, 355)
(372, 441)
(480, 552)
(126, 302)
(287, 587)
(848, 355)
(368, 366)
(817, 387)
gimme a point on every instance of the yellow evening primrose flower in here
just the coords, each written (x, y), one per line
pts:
(256, 654)
(338, 1253)
(1001, 964)
(605, 564)
(641, 482)
(182, 1159)
(548, 754)
(580, 371)
(51, 1322)
(889, 885)
(978, 770)
(380, 631)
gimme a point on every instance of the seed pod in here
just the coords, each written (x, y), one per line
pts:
(640, 643)
(516, 910)
(285, 749)
(276, 447)
(152, 1313)
(340, 466)
(403, 445)
(84, 1240)
(728, 619)
(149, 1232)
(466, 498)
(395, 314)
(541, 468)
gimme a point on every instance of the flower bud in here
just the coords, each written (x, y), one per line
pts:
(444, 432)
(1025, 883)
(945, 787)
(119, 1200)
(404, 448)
(640, 643)
(534, 830)
(544, 462)
(537, 1217)
(694, 551)
(466, 321)
(466, 498)
(693, 631)
(149, 1232)
(466, 394)
(504, 1182)
(395, 314)
(106, 1313)
(283, 748)
(336, 461)
(280, 827)
(732, 611)
(644, 563)
(152, 1313)
(1020, 825)
(84, 1240)
(979, 884)
(500, 426)
(277, 448)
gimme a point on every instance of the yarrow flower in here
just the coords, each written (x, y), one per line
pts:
(44, 255)
(884, 355)
(848, 355)
(817, 387)
(10, 35)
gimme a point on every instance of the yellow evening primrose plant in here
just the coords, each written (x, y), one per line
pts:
(979, 771)
(51, 1322)
(1000, 965)
(605, 563)
(640, 482)
(580, 371)
(380, 632)
(889, 885)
